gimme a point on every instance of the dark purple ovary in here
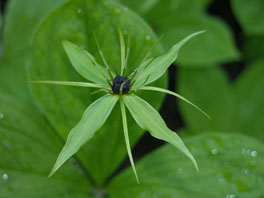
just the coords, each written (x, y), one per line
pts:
(117, 83)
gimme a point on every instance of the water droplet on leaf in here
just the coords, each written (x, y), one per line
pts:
(221, 180)
(180, 171)
(254, 153)
(117, 11)
(147, 37)
(214, 151)
(5, 176)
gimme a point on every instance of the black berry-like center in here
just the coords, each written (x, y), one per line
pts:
(117, 84)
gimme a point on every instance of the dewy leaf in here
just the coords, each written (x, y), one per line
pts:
(124, 118)
(28, 147)
(250, 15)
(84, 64)
(92, 120)
(63, 105)
(231, 166)
(149, 119)
(160, 65)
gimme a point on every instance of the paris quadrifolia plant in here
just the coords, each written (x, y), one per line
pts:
(120, 88)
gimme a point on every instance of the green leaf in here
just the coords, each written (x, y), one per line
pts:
(214, 47)
(176, 19)
(63, 105)
(253, 48)
(233, 107)
(82, 62)
(231, 165)
(93, 119)
(149, 119)
(28, 146)
(23, 17)
(160, 65)
(250, 15)
(249, 93)
(210, 90)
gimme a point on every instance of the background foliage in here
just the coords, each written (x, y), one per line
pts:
(221, 71)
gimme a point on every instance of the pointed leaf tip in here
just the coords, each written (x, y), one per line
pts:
(92, 120)
(150, 120)
(160, 65)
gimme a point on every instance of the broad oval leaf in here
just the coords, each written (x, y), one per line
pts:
(63, 106)
(231, 166)
(159, 65)
(84, 63)
(92, 120)
(149, 119)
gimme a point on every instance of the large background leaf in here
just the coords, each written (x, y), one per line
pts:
(168, 174)
(64, 106)
(250, 15)
(23, 17)
(233, 107)
(28, 146)
(176, 19)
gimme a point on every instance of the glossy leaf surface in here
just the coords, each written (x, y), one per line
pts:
(168, 173)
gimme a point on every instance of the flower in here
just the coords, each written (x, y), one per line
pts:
(122, 88)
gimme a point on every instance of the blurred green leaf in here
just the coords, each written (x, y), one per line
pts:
(93, 119)
(211, 91)
(28, 147)
(21, 20)
(213, 47)
(178, 18)
(149, 119)
(250, 15)
(24, 17)
(237, 107)
(249, 92)
(253, 48)
(165, 173)
(76, 21)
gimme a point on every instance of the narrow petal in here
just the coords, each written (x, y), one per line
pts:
(149, 88)
(71, 83)
(123, 112)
